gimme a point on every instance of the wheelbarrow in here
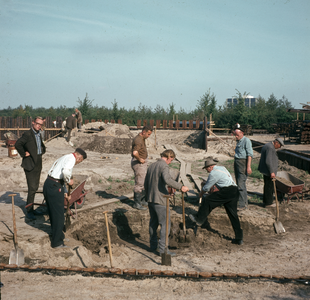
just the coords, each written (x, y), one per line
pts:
(288, 184)
(78, 194)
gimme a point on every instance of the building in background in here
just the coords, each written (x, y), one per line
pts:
(249, 101)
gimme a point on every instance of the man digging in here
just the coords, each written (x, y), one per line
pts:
(226, 195)
(156, 180)
(139, 166)
(54, 192)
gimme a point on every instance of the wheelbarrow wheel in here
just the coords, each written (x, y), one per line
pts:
(80, 202)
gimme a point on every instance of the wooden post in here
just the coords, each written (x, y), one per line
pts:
(112, 121)
(144, 123)
(157, 123)
(152, 123)
(170, 124)
(164, 124)
(138, 123)
(119, 121)
(205, 126)
(177, 124)
(184, 124)
(190, 125)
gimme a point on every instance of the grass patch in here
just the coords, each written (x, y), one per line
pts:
(255, 172)
(110, 179)
(131, 182)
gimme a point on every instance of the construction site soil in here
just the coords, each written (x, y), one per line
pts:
(264, 253)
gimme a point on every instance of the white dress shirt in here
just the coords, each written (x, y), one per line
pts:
(62, 167)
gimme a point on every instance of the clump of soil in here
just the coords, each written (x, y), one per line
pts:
(107, 144)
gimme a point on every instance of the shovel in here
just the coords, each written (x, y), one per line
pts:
(17, 255)
(185, 238)
(277, 224)
(196, 226)
(165, 257)
(108, 236)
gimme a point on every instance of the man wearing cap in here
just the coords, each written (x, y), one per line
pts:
(139, 166)
(242, 165)
(54, 191)
(222, 191)
(268, 166)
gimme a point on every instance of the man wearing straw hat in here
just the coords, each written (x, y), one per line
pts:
(222, 191)
(268, 166)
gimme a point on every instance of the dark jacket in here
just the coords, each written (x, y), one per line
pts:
(156, 179)
(269, 160)
(71, 122)
(27, 142)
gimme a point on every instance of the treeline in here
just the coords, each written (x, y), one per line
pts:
(265, 113)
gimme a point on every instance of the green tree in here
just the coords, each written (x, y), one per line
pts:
(84, 106)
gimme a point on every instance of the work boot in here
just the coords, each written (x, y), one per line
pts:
(143, 202)
(137, 199)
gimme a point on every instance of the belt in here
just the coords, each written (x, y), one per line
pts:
(57, 180)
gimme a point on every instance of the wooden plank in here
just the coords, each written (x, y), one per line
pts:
(184, 179)
(188, 168)
(96, 205)
(197, 181)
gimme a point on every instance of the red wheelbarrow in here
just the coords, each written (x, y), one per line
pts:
(77, 195)
(286, 183)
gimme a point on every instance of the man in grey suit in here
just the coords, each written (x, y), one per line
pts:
(31, 148)
(157, 177)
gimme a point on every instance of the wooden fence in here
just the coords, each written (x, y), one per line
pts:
(19, 125)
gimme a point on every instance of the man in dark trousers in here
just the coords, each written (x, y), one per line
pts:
(139, 166)
(225, 193)
(54, 192)
(156, 181)
(242, 165)
(31, 148)
(70, 124)
(268, 166)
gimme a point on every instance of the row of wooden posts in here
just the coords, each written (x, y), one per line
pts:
(19, 125)
(19, 122)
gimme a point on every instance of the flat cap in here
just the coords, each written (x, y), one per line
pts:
(280, 141)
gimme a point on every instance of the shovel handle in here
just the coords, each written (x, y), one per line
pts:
(183, 213)
(276, 196)
(108, 235)
(167, 222)
(14, 221)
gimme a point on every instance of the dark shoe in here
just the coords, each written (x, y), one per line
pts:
(144, 203)
(30, 215)
(60, 246)
(172, 254)
(38, 213)
(138, 206)
(237, 241)
(193, 218)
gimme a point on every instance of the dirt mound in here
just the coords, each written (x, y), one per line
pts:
(107, 144)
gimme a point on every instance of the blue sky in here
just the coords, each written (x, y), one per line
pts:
(152, 52)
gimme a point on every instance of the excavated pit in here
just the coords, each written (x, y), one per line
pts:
(131, 227)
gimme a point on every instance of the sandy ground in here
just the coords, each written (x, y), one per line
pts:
(109, 176)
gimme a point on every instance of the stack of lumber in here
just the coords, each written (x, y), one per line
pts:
(300, 132)
(247, 129)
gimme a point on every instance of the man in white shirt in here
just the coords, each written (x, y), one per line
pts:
(54, 191)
